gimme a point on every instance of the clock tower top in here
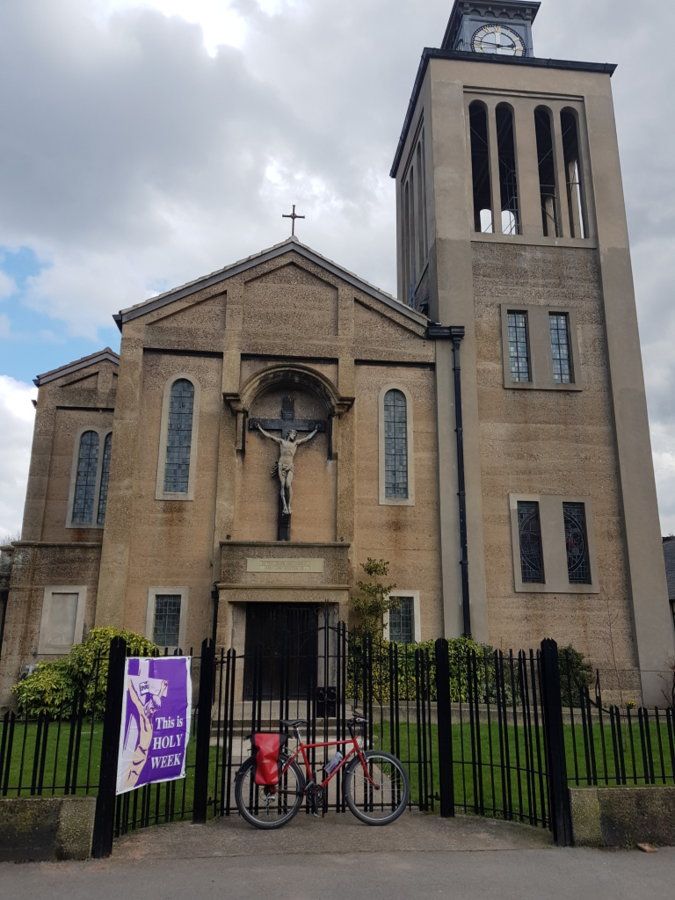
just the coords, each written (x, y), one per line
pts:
(483, 26)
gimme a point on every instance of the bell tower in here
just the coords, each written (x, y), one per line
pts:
(511, 225)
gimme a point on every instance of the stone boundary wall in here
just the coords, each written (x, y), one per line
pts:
(37, 829)
(623, 816)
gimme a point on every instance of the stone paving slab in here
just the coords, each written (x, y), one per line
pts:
(335, 833)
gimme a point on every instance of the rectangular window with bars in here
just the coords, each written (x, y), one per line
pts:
(402, 621)
(529, 535)
(166, 629)
(576, 543)
(560, 347)
(519, 349)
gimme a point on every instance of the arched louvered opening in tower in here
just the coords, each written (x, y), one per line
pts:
(576, 195)
(508, 174)
(480, 163)
(548, 186)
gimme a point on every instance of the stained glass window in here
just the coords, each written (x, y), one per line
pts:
(576, 543)
(105, 475)
(167, 620)
(85, 479)
(529, 533)
(179, 437)
(395, 445)
(402, 621)
(519, 353)
(560, 347)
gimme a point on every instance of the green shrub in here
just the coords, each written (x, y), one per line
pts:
(82, 675)
(575, 674)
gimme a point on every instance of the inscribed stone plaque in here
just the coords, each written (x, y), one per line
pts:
(288, 566)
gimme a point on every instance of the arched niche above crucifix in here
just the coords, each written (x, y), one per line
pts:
(291, 380)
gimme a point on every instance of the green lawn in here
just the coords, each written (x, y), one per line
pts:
(64, 753)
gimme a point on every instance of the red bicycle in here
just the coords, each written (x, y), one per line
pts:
(375, 784)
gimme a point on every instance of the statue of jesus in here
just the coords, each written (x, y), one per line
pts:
(285, 467)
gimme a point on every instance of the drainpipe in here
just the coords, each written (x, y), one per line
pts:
(215, 597)
(456, 335)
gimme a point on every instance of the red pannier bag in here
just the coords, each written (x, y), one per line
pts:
(267, 757)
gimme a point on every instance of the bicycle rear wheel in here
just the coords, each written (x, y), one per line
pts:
(268, 807)
(381, 800)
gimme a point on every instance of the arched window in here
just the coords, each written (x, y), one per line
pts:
(105, 476)
(395, 446)
(480, 164)
(508, 173)
(179, 437)
(85, 479)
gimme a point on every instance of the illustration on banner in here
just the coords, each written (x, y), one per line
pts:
(156, 714)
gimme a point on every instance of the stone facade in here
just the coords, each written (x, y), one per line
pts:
(288, 329)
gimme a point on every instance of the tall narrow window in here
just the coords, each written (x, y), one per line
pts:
(576, 543)
(166, 630)
(402, 621)
(519, 351)
(421, 206)
(105, 476)
(548, 191)
(179, 437)
(85, 479)
(412, 228)
(508, 174)
(573, 174)
(395, 445)
(560, 347)
(480, 164)
(529, 534)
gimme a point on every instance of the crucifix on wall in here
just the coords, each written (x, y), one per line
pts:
(289, 427)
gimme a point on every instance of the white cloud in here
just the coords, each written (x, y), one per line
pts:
(16, 426)
(7, 285)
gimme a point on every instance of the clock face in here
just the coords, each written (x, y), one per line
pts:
(498, 39)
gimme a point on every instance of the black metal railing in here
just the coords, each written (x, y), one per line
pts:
(57, 753)
(479, 731)
(612, 741)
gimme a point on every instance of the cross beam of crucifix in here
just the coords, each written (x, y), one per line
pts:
(287, 422)
(292, 216)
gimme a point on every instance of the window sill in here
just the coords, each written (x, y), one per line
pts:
(180, 498)
(542, 386)
(571, 589)
(572, 243)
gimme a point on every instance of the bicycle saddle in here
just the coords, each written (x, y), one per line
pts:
(292, 723)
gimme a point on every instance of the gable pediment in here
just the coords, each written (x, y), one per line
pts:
(302, 270)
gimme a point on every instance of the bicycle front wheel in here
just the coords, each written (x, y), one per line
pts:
(379, 795)
(264, 806)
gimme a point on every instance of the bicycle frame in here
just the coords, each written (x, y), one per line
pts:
(302, 751)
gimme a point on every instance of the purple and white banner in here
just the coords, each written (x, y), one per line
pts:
(156, 712)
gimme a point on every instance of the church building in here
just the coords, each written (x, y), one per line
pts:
(268, 427)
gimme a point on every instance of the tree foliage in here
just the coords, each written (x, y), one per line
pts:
(54, 687)
(372, 599)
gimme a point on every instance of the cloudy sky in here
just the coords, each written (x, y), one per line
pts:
(146, 142)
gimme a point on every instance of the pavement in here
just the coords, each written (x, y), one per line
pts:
(338, 857)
